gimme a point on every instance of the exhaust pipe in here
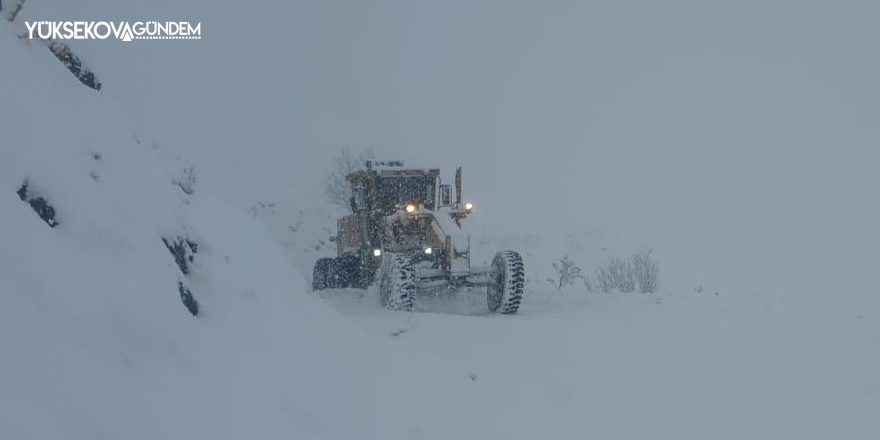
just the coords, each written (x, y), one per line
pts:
(458, 186)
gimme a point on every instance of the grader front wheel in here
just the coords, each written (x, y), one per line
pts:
(505, 295)
(397, 283)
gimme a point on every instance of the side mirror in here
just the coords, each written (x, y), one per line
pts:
(445, 195)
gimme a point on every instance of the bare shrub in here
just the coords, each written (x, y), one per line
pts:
(646, 272)
(589, 285)
(604, 281)
(626, 275)
(336, 188)
(621, 272)
(187, 180)
(567, 272)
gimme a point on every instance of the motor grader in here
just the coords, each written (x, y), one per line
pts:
(404, 236)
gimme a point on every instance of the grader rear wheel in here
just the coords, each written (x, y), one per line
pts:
(319, 275)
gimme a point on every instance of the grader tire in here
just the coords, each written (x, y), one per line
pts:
(506, 294)
(397, 283)
(320, 273)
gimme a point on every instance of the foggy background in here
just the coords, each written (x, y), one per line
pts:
(739, 139)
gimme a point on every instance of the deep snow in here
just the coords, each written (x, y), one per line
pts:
(594, 130)
(664, 366)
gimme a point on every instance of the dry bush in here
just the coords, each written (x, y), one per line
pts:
(646, 272)
(626, 275)
(336, 188)
(567, 272)
(187, 180)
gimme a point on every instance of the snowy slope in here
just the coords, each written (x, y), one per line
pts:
(96, 340)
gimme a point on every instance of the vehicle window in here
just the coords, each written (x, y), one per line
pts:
(394, 190)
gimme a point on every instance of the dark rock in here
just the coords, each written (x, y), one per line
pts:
(183, 250)
(189, 301)
(39, 204)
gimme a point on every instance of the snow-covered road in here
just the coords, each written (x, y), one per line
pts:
(683, 366)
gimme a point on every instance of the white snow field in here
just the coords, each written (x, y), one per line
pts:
(738, 141)
(676, 364)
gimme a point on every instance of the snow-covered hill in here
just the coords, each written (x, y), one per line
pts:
(97, 339)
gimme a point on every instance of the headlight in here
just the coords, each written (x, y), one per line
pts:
(377, 252)
(468, 206)
(410, 208)
(429, 251)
